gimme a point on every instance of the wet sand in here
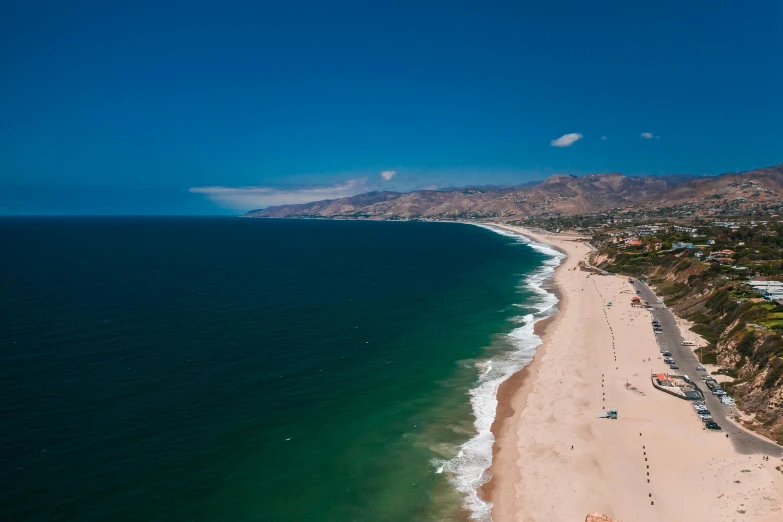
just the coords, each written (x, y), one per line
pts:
(517, 386)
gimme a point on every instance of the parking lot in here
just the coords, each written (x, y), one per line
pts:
(671, 339)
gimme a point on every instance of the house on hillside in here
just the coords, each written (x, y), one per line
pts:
(686, 230)
(773, 296)
(764, 286)
(645, 231)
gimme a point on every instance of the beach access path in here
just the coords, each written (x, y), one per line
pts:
(654, 463)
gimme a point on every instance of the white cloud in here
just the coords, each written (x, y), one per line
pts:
(603, 138)
(649, 136)
(566, 140)
(248, 198)
(387, 175)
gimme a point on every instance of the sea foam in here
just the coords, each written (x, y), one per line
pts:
(469, 469)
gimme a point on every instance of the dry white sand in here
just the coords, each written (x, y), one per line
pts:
(655, 463)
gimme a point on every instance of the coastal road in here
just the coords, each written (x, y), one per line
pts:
(671, 339)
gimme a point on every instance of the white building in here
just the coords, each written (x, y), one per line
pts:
(757, 283)
(687, 230)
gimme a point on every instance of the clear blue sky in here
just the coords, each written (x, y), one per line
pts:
(209, 107)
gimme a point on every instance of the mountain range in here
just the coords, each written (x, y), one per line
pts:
(557, 195)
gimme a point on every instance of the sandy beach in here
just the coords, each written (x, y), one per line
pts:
(555, 461)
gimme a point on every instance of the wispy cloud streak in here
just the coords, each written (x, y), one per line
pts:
(247, 198)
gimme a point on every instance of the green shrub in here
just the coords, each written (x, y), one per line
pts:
(745, 346)
(774, 374)
(709, 356)
(772, 346)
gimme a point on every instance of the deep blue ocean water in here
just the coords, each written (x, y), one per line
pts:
(248, 370)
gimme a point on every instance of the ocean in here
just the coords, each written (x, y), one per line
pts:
(224, 369)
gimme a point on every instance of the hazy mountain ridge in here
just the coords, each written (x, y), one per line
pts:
(739, 192)
(558, 194)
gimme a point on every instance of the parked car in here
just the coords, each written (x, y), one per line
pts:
(712, 425)
(701, 369)
(666, 353)
(704, 377)
(674, 367)
(697, 405)
(668, 360)
(650, 308)
(706, 417)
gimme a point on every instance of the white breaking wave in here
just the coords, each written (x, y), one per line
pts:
(470, 467)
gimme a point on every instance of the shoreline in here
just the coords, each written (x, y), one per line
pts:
(471, 467)
(521, 383)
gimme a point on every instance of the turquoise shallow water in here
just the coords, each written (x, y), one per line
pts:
(231, 369)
